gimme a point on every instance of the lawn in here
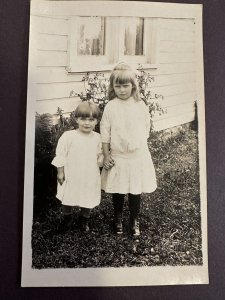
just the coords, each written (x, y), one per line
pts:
(170, 218)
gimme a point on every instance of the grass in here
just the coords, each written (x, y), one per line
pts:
(170, 218)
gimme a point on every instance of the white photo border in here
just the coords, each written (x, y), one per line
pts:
(132, 276)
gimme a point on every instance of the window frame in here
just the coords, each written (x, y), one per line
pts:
(113, 46)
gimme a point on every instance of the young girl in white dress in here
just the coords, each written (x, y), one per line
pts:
(128, 167)
(78, 157)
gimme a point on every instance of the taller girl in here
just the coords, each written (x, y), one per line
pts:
(128, 167)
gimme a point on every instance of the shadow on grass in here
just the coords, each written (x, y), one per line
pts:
(170, 218)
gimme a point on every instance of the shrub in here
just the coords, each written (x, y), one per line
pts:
(96, 91)
(46, 138)
(47, 134)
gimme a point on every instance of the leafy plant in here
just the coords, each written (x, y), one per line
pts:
(96, 90)
(47, 133)
(153, 101)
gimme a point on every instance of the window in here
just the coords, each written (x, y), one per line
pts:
(96, 43)
(90, 37)
(133, 36)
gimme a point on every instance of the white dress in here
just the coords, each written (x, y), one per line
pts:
(125, 126)
(81, 155)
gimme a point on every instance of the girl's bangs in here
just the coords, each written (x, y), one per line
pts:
(86, 110)
(122, 77)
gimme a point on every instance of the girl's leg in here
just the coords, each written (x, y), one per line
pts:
(84, 218)
(67, 219)
(118, 201)
(66, 210)
(134, 206)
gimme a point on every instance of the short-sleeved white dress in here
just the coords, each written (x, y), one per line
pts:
(80, 154)
(125, 126)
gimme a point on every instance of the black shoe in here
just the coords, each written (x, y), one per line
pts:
(134, 227)
(118, 227)
(83, 222)
(65, 224)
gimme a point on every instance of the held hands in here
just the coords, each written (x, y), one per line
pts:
(60, 176)
(108, 162)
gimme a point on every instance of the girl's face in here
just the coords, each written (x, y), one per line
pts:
(123, 91)
(86, 124)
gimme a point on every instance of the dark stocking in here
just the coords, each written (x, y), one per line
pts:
(118, 201)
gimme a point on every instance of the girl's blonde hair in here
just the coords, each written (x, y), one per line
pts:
(121, 74)
(87, 110)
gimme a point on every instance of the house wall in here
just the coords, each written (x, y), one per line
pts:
(175, 76)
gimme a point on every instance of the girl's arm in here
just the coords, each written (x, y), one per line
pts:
(108, 162)
(61, 156)
(60, 175)
(147, 119)
(105, 128)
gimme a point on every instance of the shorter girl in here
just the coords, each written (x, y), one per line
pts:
(78, 156)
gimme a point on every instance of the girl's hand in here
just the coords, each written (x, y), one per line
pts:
(60, 176)
(108, 162)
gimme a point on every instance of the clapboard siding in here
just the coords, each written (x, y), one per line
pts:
(174, 77)
(50, 106)
(176, 47)
(183, 108)
(52, 42)
(174, 68)
(176, 35)
(176, 89)
(174, 24)
(56, 74)
(173, 121)
(178, 99)
(162, 76)
(171, 79)
(51, 25)
(52, 58)
(63, 89)
(170, 57)
(57, 90)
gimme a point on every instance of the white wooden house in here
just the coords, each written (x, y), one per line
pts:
(69, 38)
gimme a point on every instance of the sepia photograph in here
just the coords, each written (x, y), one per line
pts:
(115, 168)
